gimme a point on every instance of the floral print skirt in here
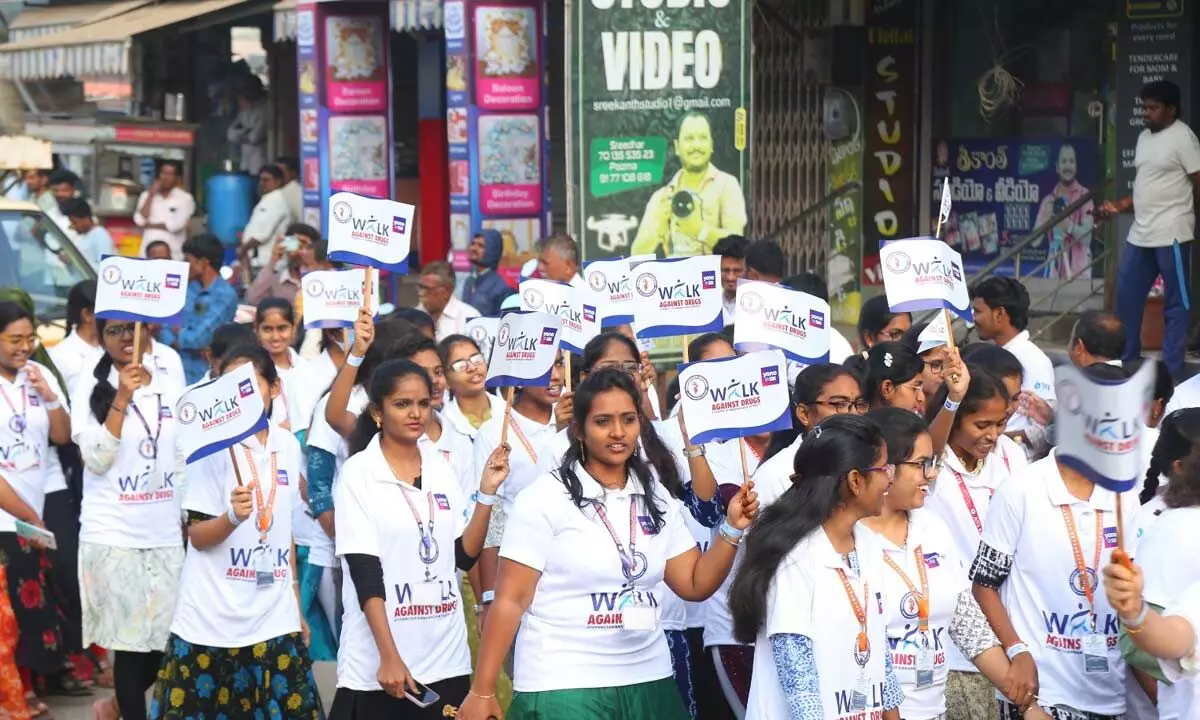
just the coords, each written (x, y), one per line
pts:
(272, 679)
(39, 648)
(12, 694)
(128, 595)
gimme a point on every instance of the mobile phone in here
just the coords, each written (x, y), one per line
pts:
(424, 697)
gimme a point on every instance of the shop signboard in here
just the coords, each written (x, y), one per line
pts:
(1004, 188)
(497, 127)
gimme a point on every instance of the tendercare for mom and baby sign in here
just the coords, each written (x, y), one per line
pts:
(678, 296)
(220, 413)
(773, 316)
(924, 274)
(141, 290)
(574, 306)
(332, 298)
(734, 397)
(525, 350)
(370, 231)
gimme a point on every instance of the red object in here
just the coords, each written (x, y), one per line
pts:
(433, 211)
(157, 136)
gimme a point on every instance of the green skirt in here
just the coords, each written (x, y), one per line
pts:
(658, 699)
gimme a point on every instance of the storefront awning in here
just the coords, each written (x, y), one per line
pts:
(100, 47)
(37, 21)
(407, 16)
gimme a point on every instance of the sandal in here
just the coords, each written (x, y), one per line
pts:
(106, 709)
(65, 685)
(104, 678)
(37, 708)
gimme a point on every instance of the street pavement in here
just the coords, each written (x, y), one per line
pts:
(81, 708)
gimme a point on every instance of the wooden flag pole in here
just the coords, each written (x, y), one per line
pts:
(368, 286)
(508, 400)
(1119, 555)
(745, 467)
(567, 370)
(137, 343)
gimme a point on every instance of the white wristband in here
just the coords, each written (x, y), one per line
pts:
(52, 406)
(232, 517)
(354, 360)
(487, 596)
(1015, 649)
(950, 405)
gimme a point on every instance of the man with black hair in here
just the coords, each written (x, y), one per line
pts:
(732, 250)
(292, 192)
(165, 209)
(268, 219)
(1167, 159)
(764, 261)
(1098, 337)
(94, 242)
(60, 189)
(1001, 309)
(211, 302)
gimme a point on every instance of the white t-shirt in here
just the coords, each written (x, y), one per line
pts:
(808, 598)
(1043, 593)
(458, 453)
(25, 440)
(725, 460)
(1187, 395)
(134, 504)
(165, 359)
(457, 422)
(296, 395)
(1038, 376)
(375, 516)
(1163, 210)
(322, 435)
(571, 635)
(220, 603)
(774, 477)
(1183, 696)
(534, 452)
(74, 357)
(947, 577)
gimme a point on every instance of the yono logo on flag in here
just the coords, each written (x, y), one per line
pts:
(525, 350)
(141, 290)
(370, 231)
(220, 413)
(734, 397)
(924, 274)
(678, 296)
(769, 316)
(245, 388)
(548, 335)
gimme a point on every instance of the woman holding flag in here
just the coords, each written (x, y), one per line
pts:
(895, 378)
(236, 647)
(130, 554)
(575, 655)
(470, 404)
(275, 326)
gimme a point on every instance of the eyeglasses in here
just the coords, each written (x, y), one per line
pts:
(30, 341)
(426, 289)
(937, 367)
(462, 365)
(841, 406)
(632, 368)
(929, 466)
(889, 470)
(116, 331)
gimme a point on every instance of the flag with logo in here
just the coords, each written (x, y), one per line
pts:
(525, 351)
(944, 209)
(332, 298)
(678, 296)
(141, 290)
(934, 335)
(219, 413)
(1102, 425)
(370, 231)
(924, 274)
(735, 397)
(772, 316)
(575, 307)
(483, 331)
(611, 280)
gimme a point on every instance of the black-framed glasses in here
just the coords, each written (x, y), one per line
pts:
(937, 367)
(466, 363)
(116, 331)
(929, 466)
(843, 405)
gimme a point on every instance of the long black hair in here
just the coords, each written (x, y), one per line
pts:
(874, 316)
(11, 312)
(383, 381)
(103, 393)
(1178, 434)
(844, 443)
(810, 383)
(659, 460)
(901, 429)
(890, 361)
(81, 297)
(984, 386)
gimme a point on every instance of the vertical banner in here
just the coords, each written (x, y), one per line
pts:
(890, 129)
(345, 103)
(497, 127)
(658, 140)
(1003, 188)
(845, 228)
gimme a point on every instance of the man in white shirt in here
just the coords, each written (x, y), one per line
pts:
(435, 287)
(292, 191)
(732, 249)
(1098, 338)
(269, 218)
(558, 260)
(1167, 160)
(94, 242)
(1001, 309)
(164, 211)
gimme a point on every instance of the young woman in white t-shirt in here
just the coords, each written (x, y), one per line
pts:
(470, 404)
(237, 644)
(584, 551)
(75, 354)
(895, 378)
(130, 533)
(403, 535)
(809, 592)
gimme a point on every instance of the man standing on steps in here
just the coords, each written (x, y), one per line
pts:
(1167, 160)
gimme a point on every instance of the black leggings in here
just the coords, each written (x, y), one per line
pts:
(133, 674)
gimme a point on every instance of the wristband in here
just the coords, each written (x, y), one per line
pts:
(232, 517)
(950, 405)
(1015, 649)
(354, 360)
(1135, 625)
(694, 452)
(730, 531)
(487, 596)
(52, 406)
(484, 499)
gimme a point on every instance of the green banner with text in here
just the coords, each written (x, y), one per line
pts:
(660, 133)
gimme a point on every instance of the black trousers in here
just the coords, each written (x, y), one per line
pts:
(378, 705)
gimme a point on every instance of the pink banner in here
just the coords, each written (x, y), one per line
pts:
(507, 67)
(355, 72)
(511, 199)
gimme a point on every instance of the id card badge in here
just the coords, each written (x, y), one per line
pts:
(858, 698)
(641, 618)
(264, 569)
(1095, 653)
(924, 666)
(427, 593)
(24, 457)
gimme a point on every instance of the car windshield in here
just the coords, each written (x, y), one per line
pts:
(36, 256)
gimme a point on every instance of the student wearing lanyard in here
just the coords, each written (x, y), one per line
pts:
(924, 574)
(895, 378)
(237, 645)
(1036, 578)
(810, 590)
(275, 326)
(404, 624)
(130, 555)
(581, 582)
(33, 415)
(470, 404)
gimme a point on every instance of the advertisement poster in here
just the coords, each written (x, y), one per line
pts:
(658, 133)
(1004, 188)
(496, 127)
(845, 231)
(345, 103)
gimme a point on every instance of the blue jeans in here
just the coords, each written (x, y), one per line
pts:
(1139, 266)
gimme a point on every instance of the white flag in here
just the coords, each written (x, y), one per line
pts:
(370, 231)
(924, 274)
(574, 306)
(332, 297)
(525, 351)
(678, 296)
(141, 290)
(612, 282)
(934, 335)
(1101, 426)
(772, 316)
(220, 413)
(483, 331)
(734, 397)
(944, 210)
